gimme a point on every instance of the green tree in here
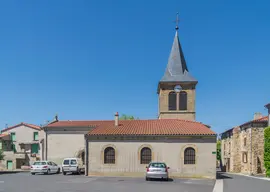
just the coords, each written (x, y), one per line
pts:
(127, 117)
(219, 150)
(1, 154)
(267, 150)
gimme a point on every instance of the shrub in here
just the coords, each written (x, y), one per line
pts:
(1, 155)
(218, 150)
(267, 150)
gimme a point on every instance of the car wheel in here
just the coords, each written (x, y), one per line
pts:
(32, 173)
(48, 172)
(146, 179)
(64, 173)
(58, 171)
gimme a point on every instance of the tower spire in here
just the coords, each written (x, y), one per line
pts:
(177, 70)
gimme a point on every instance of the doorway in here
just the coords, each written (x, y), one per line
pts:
(259, 166)
(9, 165)
(228, 165)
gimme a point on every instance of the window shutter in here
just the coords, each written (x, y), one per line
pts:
(35, 136)
(34, 148)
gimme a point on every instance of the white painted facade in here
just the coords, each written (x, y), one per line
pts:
(22, 155)
(172, 153)
(60, 143)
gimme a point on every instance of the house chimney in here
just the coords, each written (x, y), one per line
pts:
(116, 119)
(56, 117)
(268, 107)
(257, 116)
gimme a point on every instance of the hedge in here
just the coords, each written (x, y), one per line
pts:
(267, 150)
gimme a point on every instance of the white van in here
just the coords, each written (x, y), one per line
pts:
(72, 165)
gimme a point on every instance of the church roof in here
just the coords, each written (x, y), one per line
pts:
(176, 70)
(140, 127)
(84, 123)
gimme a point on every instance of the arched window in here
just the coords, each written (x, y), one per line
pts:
(183, 100)
(109, 155)
(172, 101)
(146, 155)
(189, 156)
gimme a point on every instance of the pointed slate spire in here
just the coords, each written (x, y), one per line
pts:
(177, 70)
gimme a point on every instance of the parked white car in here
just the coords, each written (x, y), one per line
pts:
(72, 165)
(46, 167)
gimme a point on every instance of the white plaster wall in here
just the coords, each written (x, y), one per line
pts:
(128, 158)
(24, 134)
(63, 145)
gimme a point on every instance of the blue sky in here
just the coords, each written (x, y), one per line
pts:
(89, 59)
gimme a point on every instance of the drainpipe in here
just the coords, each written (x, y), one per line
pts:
(267, 106)
(251, 167)
(86, 154)
(46, 144)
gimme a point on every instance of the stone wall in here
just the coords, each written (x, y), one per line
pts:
(188, 114)
(226, 151)
(258, 150)
(236, 148)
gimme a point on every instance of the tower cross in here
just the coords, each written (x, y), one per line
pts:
(177, 21)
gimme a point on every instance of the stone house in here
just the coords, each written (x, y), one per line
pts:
(20, 144)
(114, 147)
(242, 147)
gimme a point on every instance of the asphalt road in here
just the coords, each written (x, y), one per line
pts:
(75, 183)
(244, 184)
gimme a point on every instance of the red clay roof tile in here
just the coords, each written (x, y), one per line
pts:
(25, 124)
(263, 119)
(140, 127)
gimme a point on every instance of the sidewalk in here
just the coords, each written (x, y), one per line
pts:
(12, 171)
(251, 176)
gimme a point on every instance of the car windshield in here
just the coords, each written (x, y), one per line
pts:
(73, 162)
(40, 163)
(158, 165)
(66, 162)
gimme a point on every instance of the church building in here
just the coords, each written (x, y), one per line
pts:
(125, 147)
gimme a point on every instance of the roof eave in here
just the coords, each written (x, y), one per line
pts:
(156, 135)
(176, 82)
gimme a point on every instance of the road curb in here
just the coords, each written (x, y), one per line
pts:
(218, 186)
(254, 177)
(10, 172)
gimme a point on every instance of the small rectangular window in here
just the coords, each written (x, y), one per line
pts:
(244, 157)
(35, 136)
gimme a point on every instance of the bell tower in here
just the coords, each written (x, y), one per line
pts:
(176, 89)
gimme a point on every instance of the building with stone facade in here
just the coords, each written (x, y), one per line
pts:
(125, 147)
(20, 146)
(242, 147)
